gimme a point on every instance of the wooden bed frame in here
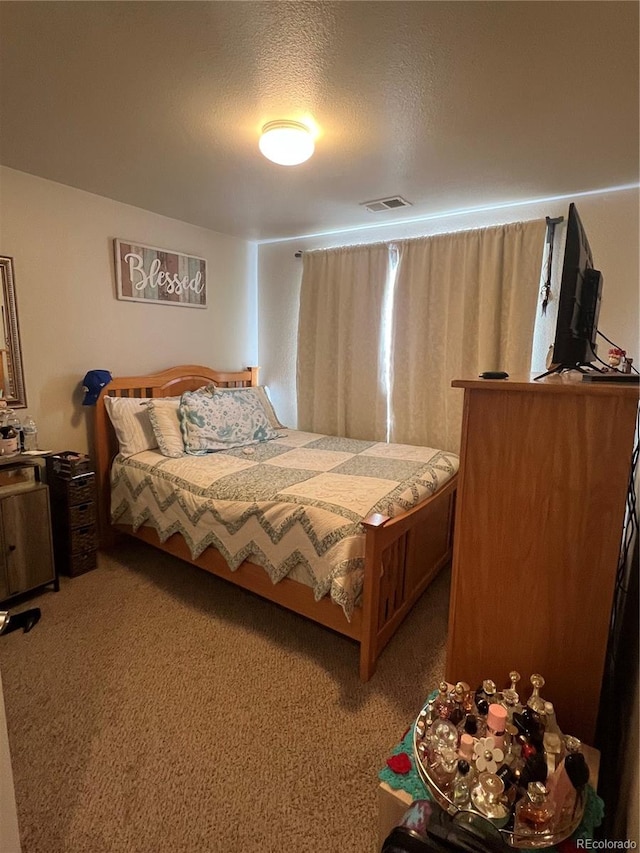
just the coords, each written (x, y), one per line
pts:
(402, 555)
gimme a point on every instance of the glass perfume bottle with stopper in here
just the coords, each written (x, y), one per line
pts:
(459, 697)
(485, 695)
(552, 738)
(444, 768)
(462, 784)
(550, 721)
(488, 798)
(442, 704)
(534, 812)
(442, 735)
(512, 749)
(535, 701)
(510, 697)
(474, 726)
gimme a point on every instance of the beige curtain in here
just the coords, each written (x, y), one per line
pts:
(340, 368)
(463, 303)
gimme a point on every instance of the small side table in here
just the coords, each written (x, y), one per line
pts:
(26, 554)
(73, 509)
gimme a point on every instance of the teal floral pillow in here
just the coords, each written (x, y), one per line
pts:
(211, 421)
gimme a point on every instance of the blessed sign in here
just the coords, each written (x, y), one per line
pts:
(149, 274)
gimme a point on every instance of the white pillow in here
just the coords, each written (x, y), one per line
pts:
(261, 392)
(163, 414)
(130, 419)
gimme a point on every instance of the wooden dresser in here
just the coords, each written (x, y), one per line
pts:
(544, 474)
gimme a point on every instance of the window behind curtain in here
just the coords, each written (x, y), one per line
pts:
(384, 328)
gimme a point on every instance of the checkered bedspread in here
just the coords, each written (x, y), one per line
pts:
(294, 505)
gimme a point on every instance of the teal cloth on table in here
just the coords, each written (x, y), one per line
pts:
(415, 787)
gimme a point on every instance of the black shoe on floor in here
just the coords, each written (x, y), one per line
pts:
(25, 620)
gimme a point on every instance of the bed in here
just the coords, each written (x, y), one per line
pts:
(395, 547)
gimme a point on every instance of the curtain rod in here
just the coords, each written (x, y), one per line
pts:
(551, 221)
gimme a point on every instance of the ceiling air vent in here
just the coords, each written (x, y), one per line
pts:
(380, 204)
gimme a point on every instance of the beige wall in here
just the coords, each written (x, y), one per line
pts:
(70, 320)
(611, 223)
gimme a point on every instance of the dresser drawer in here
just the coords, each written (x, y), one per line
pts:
(79, 490)
(83, 538)
(78, 564)
(82, 515)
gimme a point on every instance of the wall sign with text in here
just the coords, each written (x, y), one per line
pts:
(149, 274)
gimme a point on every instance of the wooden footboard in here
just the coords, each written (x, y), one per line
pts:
(402, 554)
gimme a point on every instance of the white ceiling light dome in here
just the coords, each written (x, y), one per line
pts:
(286, 142)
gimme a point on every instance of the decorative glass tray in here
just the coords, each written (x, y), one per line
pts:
(502, 818)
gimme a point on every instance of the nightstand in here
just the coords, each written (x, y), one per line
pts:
(73, 510)
(26, 552)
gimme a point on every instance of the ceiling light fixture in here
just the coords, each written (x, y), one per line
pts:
(286, 142)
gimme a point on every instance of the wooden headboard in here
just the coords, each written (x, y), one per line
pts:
(167, 383)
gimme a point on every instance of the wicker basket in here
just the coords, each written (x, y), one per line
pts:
(69, 464)
(80, 563)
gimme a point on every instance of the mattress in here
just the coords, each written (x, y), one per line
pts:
(293, 505)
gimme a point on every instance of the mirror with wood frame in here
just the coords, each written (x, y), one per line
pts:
(11, 373)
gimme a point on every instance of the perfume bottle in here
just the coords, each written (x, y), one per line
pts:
(462, 785)
(465, 750)
(509, 780)
(423, 751)
(423, 722)
(509, 695)
(442, 735)
(496, 722)
(533, 769)
(514, 678)
(550, 721)
(529, 727)
(471, 725)
(552, 739)
(443, 770)
(575, 765)
(474, 726)
(552, 743)
(511, 701)
(442, 704)
(488, 798)
(460, 700)
(534, 812)
(512, 748)
(467, 694)
(535, 701)
(568, 780)
(485, 695)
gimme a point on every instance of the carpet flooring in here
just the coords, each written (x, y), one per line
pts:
(156, 708)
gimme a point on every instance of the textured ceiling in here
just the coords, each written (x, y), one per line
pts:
(448, 104)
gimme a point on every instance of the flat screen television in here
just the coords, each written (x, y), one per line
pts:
(574, 346)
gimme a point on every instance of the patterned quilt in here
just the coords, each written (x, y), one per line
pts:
(294, 505)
